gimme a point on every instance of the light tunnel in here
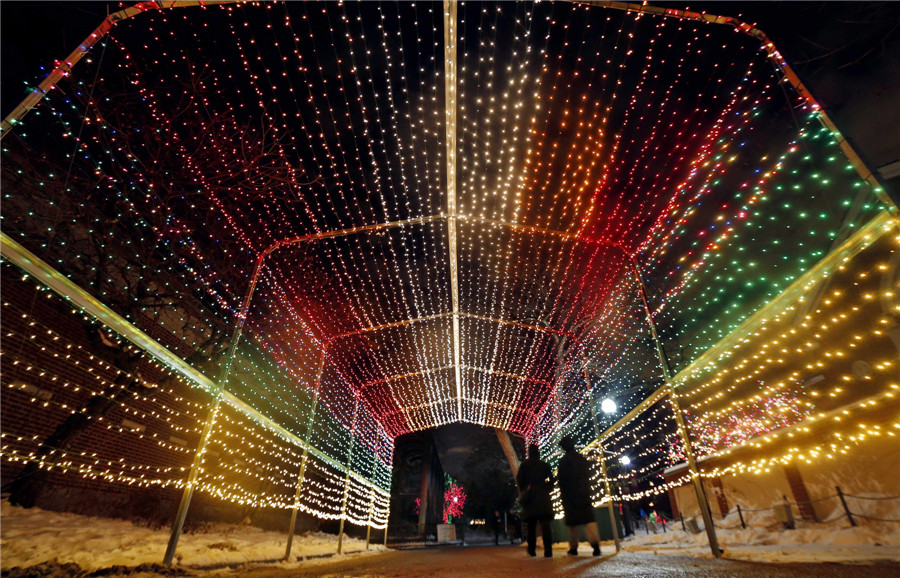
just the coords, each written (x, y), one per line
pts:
(276, 236)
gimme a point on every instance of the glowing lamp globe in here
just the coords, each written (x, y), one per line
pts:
(625, 460)
(608, 406)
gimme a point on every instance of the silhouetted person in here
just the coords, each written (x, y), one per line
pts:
(535, 482)
(515, 527)
(497, 524)
(575, 491)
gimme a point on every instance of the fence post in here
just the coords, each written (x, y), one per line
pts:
(846, 509)
(741, 516)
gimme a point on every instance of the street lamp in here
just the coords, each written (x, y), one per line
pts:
(608, 406)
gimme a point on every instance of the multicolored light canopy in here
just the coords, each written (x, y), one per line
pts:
(288, 164)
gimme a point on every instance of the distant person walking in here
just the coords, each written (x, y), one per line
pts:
(496, 524)
(535, 480)
(575, 491)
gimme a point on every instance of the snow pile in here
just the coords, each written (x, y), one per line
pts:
(29, 537)
(765, 540)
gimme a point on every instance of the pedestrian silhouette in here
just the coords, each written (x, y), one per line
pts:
(535, 480)
(496, 524)
(575, 491)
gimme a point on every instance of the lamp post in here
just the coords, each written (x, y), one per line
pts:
(609, 504)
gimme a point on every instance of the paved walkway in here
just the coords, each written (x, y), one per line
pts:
(511, 561)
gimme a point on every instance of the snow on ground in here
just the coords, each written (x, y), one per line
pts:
(29, 537)
(766, 540)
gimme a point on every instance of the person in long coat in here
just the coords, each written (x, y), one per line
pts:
(535, 480)
(575, 491)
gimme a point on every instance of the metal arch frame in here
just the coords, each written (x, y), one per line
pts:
(450, 21)
(64, 68)
(261, 261)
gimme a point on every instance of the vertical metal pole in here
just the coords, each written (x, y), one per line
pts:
(347, 476)
(343, 511)
(846, 509)
(178, 524)
(185, 503)
(609, 504)
(385, 533)
(295, 509)
(741, 516)
(702, 500)
(305, 457)
(369, 517)
(450, 32)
